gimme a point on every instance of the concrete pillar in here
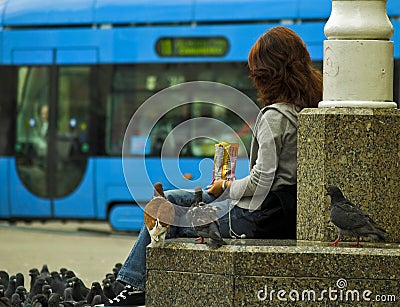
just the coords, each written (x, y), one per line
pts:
(353, 139)
(358, 56)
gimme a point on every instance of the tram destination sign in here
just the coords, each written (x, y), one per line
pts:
(192, 46)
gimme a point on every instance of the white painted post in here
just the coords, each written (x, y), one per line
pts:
(358, 55)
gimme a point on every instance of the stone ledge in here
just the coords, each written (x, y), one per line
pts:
(184, 273)
(356, 149)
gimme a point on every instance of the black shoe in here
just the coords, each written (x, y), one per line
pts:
(130, 296)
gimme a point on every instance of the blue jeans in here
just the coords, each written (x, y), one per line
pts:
(133, 271)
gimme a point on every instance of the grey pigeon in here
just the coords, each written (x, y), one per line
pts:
(77, 293)
(20, 280)
(2, 291)
(54, 300)
(12, 286)
(4, 301)
(69, 283)
(108, 289)
(111, 277)
(69, 274)
(4, 278)
(96, 290)
(84, 290)
(117, 286)
(44, 272)
(203, 218)
(350, 220)
(15, 300)
(118, 265)
(47, 291)
(68, 300)
(97, 300)
(63, 272)
(37, 288)
(40, 300)
(23, 294)
(33, 273)
(57, 285)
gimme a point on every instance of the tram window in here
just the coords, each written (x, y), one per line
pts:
(51, 139)
(31, 138)
(33, 95)
(132, 85)
(73, 113)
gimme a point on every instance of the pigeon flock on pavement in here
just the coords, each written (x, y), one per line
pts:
(56, 289)
(350, 220)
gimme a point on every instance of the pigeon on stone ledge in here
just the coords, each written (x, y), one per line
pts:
(351, 220)
(159, 214)
(203, 218)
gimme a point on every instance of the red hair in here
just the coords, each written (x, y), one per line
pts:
(281, 69)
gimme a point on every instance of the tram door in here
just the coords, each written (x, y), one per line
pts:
(51, 140)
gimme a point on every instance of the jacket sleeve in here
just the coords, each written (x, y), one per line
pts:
(269, 134)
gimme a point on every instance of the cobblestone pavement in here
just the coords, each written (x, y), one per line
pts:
(90, 249)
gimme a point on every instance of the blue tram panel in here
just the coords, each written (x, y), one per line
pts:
(116, 12)
(131, 12)
(47, 12)
(120, 45)
(1, 31)
(121, 12)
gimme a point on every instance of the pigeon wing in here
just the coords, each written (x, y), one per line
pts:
(202, 214)
(209, 213)
(156, 207)
(166, 212)
(159, 208)
(346, 216)
(372, 230)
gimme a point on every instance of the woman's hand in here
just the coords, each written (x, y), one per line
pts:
(217, 188)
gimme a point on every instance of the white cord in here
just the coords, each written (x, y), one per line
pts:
(233, 234)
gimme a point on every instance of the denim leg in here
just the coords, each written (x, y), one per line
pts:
(185, 198)
(133, 271)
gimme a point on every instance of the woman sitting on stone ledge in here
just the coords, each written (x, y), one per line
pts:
(263, 204)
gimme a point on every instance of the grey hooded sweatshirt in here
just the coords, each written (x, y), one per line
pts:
(273, 157)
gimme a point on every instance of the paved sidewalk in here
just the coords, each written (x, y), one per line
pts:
(90, 249)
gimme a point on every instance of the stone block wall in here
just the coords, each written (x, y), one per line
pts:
(357, 150)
